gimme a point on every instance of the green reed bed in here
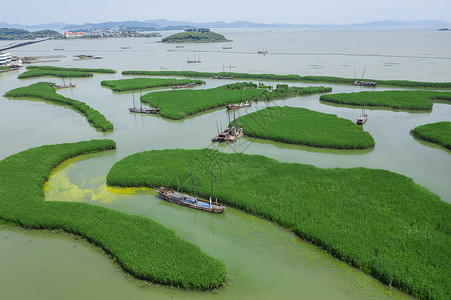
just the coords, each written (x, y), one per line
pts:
(274, 77)
(381, 222)
(40, 71)
(122, 85)
(89, 70)
(305, 127)
(144, 248)
(437, 133)
(44, 91)
(179, 104)
(407, 100)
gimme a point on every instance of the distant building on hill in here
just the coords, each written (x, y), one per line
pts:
(203, 30)
(73, 35)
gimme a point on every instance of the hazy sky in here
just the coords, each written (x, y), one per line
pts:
(30, 12)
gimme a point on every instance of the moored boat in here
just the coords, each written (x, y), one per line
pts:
(189, 201)
(192, 201)
(235, 106)
(362, 119)
(143, 110)
(189, 85)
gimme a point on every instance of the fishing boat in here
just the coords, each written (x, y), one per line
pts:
(59, 49)
(227, 47)
(363, 118)
(264, 51)
(179, 46)
(235, 106)
(192, 201)
(363, 83)
(230, 134)
(141, 109)
(223, 71)
(64, 86)
(125, 47)
(194, 61)
(188, 85)
(242, 104)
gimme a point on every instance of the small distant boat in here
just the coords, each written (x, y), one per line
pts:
(141, 109)
(194, 61)
(97, 57)
(64, 86)
(227, 47)
(264, 51)
(443, 29)
(363, 83)
(192, 201)
(223, 71)
(362, 119)
(189, 85)
(179, 46)
(235, 106)
(125, 47)
(59, 49)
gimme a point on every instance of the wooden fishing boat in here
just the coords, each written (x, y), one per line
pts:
(143, 110)
(222, 77)
(192, 201)
(194, 61)
(189, 85)
(230, 134)
(362, 119)
(364, 83)
(189, 201)
(235, 106)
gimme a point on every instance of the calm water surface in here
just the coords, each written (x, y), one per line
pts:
(263, 260)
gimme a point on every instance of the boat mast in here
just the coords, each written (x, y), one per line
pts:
(211, 194)
(134, 100)
(140, 102)
(192, 178)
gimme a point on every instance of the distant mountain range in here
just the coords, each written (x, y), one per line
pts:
(163, 24)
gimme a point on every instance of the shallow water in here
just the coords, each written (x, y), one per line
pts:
(263, 260)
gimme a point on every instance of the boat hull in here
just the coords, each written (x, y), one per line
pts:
(187, 201)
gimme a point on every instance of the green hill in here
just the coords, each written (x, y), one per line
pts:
(195, 37)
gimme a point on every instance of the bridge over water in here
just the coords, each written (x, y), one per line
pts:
(15, 44)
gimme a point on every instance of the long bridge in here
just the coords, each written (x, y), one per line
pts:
(15, 44)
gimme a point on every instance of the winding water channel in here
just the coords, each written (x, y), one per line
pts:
(264, 261)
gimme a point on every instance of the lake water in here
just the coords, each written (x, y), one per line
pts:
(263, 260)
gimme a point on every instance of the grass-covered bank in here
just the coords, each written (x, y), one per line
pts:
(323, 79)
(44, 91)
(408, 100)
(379, 221)
(437, 133)
(123, 85)
(179, 104)
(39, 71)
(141, 246)
(305, 127)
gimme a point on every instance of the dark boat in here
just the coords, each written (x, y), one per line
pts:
(363, 83)
(194, 61)
(64, 86)
(192, 201)
(223, 71)
(141, 109)
(189, 85)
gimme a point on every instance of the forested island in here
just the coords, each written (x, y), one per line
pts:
(198, 36)
(22, 34)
